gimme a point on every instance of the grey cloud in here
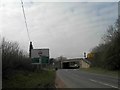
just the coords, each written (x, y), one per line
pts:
(68, 29)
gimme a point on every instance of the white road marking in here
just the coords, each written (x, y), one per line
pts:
(103, 83)
(105, 75)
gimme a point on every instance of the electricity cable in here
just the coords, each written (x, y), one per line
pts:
(25, 19)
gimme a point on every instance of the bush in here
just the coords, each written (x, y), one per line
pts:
(107, 55)
(13, 58)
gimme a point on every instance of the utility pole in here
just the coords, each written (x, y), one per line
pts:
(30, 47)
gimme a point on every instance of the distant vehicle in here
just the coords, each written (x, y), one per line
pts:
(74, 66)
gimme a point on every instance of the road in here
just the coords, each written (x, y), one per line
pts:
(74, 78)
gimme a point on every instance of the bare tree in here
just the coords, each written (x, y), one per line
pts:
(13, 58)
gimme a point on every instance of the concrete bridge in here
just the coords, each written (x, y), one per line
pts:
(74, 63)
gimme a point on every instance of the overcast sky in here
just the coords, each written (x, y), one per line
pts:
(66, 28)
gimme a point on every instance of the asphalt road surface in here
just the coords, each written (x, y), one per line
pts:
(74, 78)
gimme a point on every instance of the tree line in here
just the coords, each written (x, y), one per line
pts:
(107, 54)
(13, 59)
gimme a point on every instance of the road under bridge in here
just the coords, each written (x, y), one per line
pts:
(70, 64)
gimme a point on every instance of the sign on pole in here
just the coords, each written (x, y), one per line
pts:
(40, 56)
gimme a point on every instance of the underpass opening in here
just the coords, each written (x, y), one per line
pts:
(70, 65)
(65, 65)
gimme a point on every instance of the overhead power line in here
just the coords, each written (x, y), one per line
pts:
(25, 19)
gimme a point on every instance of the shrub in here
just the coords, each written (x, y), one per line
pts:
(13, 58)
(107, 55)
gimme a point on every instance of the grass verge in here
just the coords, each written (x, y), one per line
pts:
(42, 79)
(101, 71)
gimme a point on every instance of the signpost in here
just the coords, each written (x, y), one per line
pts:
(40, 56)
(40, 59)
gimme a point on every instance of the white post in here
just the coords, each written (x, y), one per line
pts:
(40, 61)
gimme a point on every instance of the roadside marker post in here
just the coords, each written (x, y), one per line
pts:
(40, 59)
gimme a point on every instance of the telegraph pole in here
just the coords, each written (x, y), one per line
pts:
(30, 47)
